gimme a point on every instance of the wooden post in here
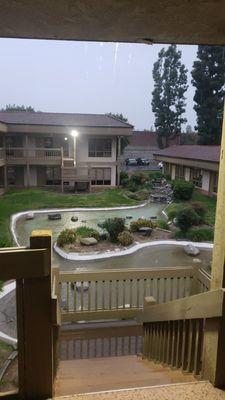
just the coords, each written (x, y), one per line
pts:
(35, 334)
(214, 343)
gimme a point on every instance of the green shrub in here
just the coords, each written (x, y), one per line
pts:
(187, 218)
(140, 223)
(161, 223)
(67, 236)
(200, 209)
(138, 178)
(140, 195)
(125, 238)
(132, 186)
(114, 226)
(124, 178)
(182, 190)
(85, 231)
(200, 235)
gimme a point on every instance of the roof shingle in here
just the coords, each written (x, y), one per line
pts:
(62, 119)
(194, 152)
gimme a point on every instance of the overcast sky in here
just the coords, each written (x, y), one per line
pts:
(81, 77)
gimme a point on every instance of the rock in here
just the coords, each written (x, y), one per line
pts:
(89, 241)
(197, 260)
(153, 217)
(129, 217)
(84, 221)
(74, 219)
(53, 217)
(175, 221)
(30, 216)
(145, 231)
(191, 250)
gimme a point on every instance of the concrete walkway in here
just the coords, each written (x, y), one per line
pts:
(109, 373)
(182, 391)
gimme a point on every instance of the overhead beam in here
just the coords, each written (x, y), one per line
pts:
(140, 21)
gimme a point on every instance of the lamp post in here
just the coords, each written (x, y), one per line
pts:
(74, 134)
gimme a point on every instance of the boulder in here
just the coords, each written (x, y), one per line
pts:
(197, 261)
(129, 217)
(53, 217)
(89, 241)
(74, 218)
(191, 250)
(145, 231)
(30, 216)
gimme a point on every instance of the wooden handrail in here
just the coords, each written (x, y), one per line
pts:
(129, 273)
(203, 305)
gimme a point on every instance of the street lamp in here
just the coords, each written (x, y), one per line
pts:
(74, 134)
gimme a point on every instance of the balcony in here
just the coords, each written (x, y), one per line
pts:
(35, 156)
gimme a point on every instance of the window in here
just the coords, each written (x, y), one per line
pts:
(100, 147)
(53, 176)
(101, 176)
(179, 172)
(196, 177)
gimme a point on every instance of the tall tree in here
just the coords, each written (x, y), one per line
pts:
(14, 108)
(168, 100)
(208, 77)
(124, 141)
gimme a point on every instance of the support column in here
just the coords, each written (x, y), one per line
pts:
(27, 162)
(35, 332)
(118, 160)
(214, 343)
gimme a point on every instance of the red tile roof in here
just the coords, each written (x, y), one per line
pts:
(194, 152)
(62, 119)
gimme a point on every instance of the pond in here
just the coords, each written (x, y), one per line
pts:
(163, 255)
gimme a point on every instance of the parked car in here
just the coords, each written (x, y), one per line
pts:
(131, 161)
(142, 161)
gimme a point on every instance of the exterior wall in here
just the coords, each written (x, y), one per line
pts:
(37, 167)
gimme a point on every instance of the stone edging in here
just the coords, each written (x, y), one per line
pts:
(129, 250)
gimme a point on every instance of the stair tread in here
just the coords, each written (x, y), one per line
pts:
(185, 391)
(108, 373)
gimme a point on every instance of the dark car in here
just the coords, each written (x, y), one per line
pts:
(142, 161)
(131, 161)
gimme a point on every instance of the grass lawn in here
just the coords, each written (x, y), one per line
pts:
(209, 202)
(30, 199)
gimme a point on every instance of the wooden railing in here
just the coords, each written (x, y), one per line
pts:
(174, 332)
(108, 294)
(37, 314)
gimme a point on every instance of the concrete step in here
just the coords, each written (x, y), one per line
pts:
(181, 391)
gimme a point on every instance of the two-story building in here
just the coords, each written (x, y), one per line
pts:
(69, 151)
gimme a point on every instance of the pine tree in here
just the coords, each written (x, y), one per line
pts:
(168, 101)
(208, 77)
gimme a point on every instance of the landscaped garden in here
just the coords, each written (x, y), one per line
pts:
(192, 213)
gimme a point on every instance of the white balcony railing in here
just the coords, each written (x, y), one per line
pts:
(38, 153)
